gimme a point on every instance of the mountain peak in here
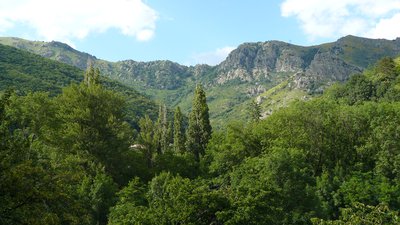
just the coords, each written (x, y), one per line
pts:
(57, 44)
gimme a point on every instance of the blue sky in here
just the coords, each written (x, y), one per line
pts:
(189, 31)
(193, 31)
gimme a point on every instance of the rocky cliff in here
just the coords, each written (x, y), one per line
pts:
(316, 65)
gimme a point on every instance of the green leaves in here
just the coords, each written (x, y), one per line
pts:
(34, 190)
(364, 214)
(179, 132)
(273, 189)
(381, 83)
(60, 157)
(170, 200)
(229, 149)
(254, 110)
(71, 160)
(199, 130)
(92, 125)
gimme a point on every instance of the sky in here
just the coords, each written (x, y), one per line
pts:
(193, 31)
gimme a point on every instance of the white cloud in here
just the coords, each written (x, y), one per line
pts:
(335, 18)
(387, 28)
(4, 25)
(75, 19)
(212, 58)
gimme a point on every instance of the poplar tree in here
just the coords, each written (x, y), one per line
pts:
(146, 136)
(179, 131)
(92, 76)
(199, 130)
(162, 136)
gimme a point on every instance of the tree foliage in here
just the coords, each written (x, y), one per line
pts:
(74, 159)
(179, 131)
(199, 129)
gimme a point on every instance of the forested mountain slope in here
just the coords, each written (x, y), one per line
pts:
(26, 72)
(249, 72)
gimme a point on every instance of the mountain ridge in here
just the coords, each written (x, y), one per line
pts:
(249, 61)
(247, 72)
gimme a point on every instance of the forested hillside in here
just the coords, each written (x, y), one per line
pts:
(26, 72)
(73, 159)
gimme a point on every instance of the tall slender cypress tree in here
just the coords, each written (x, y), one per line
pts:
(162, 137)
(254, 111)
(179, 131)
(92, 76)
(199, 130)
(146, 136)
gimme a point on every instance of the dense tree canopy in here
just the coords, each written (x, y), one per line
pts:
(75, 159)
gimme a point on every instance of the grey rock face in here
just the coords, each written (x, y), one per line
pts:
(330, 67)
(289, 61)
(314, 66)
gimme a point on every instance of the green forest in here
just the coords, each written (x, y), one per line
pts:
(74, 156)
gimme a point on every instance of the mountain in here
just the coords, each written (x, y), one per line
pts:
(26, 72)
(273, 72)
(53, 50)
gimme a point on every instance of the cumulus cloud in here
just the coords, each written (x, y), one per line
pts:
(213, 57)
(75, 19)
(386, 28)
(334, 18)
